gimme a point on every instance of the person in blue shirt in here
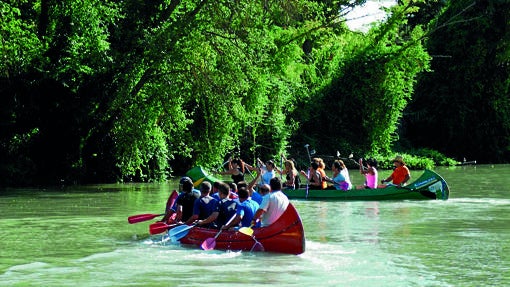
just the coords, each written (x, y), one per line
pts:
(225, 209)
(340, 179)
(205, 205)
(251, 188)
(214, 191)
(245, 210)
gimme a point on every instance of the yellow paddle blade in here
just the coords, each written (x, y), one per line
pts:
(246, 230)
(198, 182)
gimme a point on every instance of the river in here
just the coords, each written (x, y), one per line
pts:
(79, 236)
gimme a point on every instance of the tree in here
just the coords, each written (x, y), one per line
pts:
(462, 108)
(360, 110)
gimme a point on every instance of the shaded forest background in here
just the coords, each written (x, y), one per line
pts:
(103, 91)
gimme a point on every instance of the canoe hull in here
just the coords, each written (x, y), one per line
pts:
(199, 175)
(428, 186)
(286, 235)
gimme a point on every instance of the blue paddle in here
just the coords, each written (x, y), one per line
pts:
(179, 232)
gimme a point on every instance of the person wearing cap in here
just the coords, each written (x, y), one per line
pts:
(400, 175)
(186, 200)
(205, 205)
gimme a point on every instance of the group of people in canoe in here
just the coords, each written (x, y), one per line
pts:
(399, 177)
(316, 176)
(260, 202)
(228, 206)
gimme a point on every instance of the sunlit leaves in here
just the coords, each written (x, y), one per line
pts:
(20, 45)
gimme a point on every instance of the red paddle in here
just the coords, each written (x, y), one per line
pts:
(159, 227)
(142, 217)
(148, 216)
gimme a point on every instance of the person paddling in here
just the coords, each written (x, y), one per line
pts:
(340, 180)
(225, 209)
(205, 205)
(400, 175)
(268, 171)
(370, 174)
(245, 210)
(292, 180)
(273, 204)
(183, 206)
(236, 169)
(315, 176)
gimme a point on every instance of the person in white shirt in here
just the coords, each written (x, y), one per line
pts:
(268, 171)
(273, 204)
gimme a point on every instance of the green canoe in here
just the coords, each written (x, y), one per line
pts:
(429, 185)
(198, 175)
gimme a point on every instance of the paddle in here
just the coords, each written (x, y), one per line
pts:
(247, 230)
(308, 152)
(257, 246)
(210, 243)
(142, 217)
(179, 232)
(159, 227)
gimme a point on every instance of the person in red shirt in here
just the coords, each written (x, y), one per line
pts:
(400, 175)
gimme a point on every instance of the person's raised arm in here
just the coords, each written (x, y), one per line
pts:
(307, 176)
(249, 167)
(252, 184)
(230, 171)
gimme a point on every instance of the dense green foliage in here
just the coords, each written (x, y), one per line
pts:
(137, 90)
(463, 105)
(370, 88)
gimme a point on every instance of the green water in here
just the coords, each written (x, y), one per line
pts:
(79, 236)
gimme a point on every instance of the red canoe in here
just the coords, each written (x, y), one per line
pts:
(286, 235)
